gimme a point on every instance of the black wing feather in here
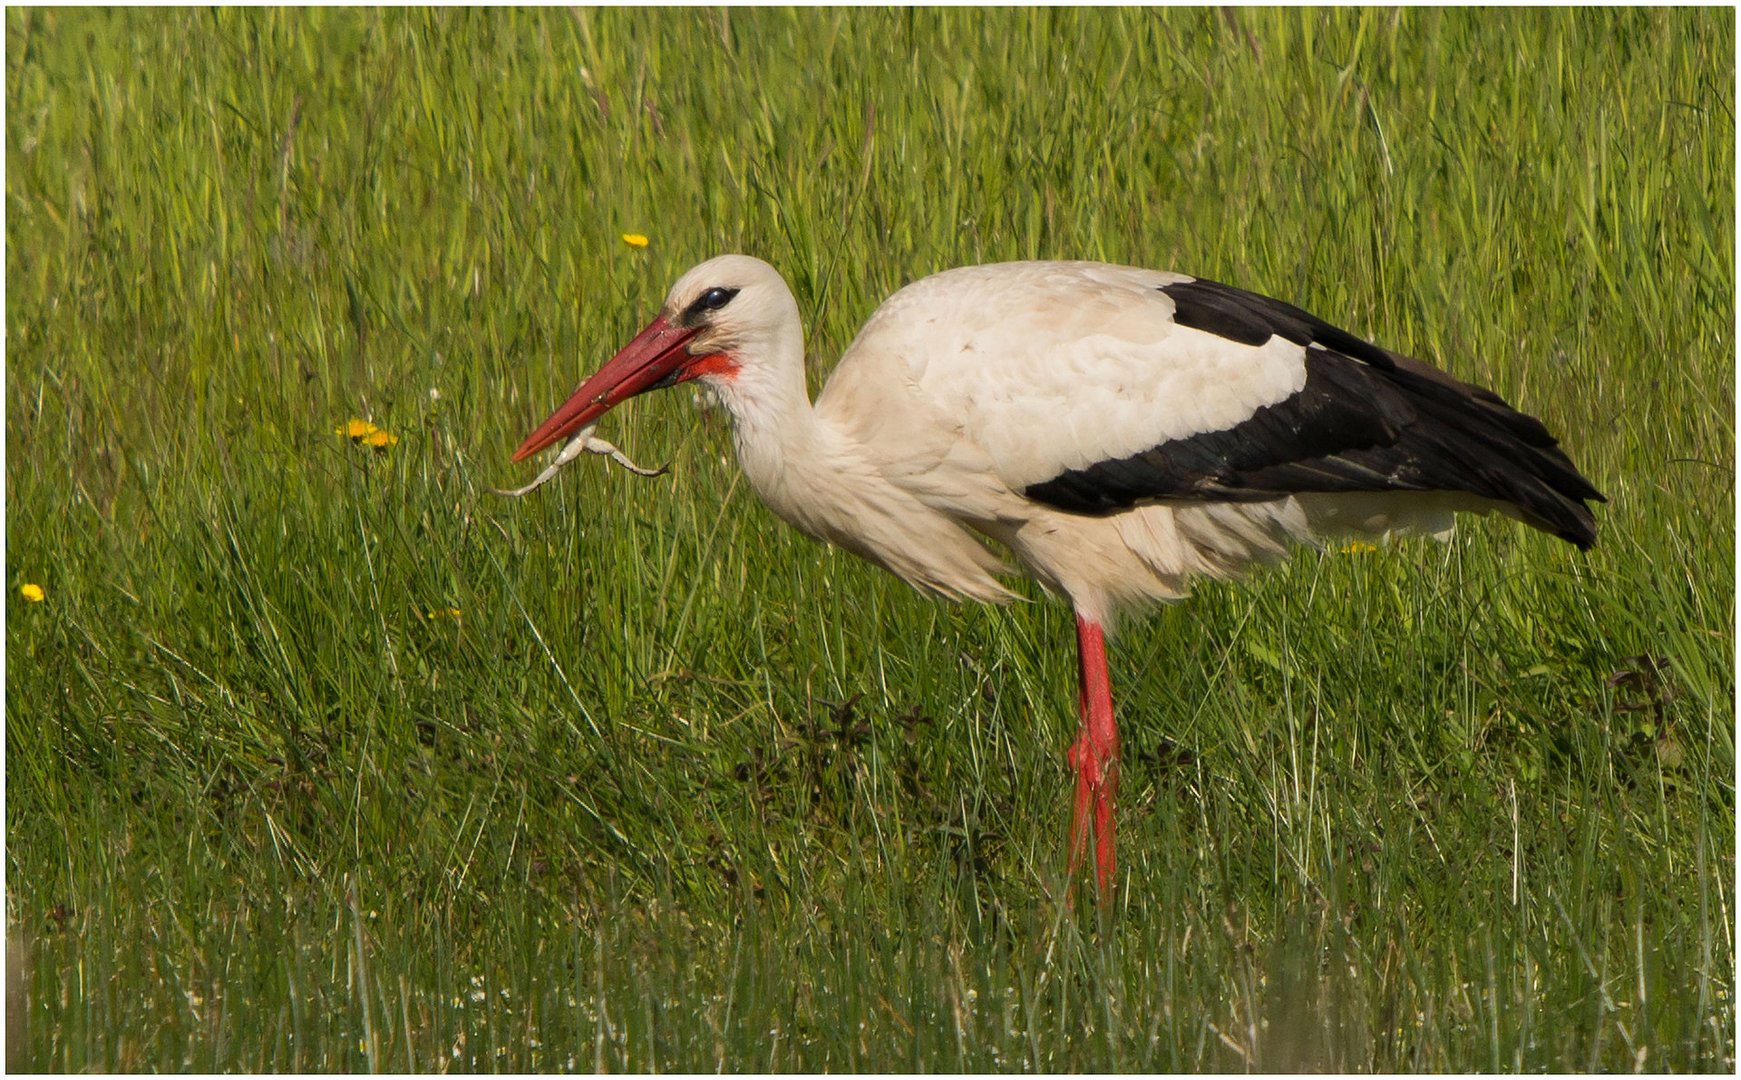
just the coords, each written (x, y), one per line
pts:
(1366, 419)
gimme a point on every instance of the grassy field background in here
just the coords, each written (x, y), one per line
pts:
(321, 756)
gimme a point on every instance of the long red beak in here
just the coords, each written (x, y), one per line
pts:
(643, 363)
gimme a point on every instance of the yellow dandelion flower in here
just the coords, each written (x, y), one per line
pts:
(635, 240)
(367, 434)
(32, 592)
(1357, 547)
(443, 613)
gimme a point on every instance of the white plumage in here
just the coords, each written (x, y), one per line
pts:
(1118, 431)
(999, 348)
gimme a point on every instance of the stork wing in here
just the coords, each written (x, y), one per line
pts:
(1093, 389)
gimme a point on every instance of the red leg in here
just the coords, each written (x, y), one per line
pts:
(1095, 757)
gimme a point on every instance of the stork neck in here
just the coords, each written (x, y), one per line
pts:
(773, 423)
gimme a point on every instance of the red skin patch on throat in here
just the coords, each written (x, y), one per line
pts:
(719, 365)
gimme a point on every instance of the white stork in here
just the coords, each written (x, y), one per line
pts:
(1120, 431)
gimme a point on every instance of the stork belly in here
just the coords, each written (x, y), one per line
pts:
(1149, 554)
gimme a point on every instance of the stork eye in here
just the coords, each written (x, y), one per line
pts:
(712, 300)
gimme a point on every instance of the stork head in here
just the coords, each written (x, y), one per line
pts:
(727, 318)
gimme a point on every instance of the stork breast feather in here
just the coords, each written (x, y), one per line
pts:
(1040, 411)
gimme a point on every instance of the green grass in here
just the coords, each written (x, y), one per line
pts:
(681, 789)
